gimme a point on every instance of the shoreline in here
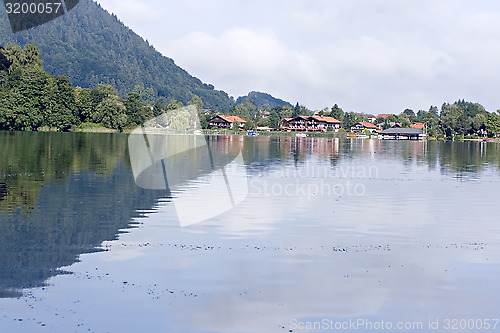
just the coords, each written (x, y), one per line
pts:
(344, 135)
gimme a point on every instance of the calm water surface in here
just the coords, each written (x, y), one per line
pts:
(330, 231)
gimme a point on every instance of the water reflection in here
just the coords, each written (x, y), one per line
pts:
(420, 241)
(62, 195)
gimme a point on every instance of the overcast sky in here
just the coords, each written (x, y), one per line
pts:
(367, 56)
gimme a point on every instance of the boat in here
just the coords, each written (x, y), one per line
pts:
(198, 132)
(253, 133)
(301, 135)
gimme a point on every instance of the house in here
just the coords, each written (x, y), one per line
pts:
(371, 118)
(402, 134)
(322, 123)
(294, 124)
(310, 123)
(361, 126)
(385, 115)
(222, 121)
(417, 125)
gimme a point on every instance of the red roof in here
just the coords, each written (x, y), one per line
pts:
(368, 125)
(384, 115)
(327, 119)
(231, 119)
(417, 125)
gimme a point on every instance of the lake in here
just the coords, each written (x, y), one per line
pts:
(247, 234)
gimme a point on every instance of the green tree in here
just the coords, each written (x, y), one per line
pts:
(404, 120)
(112, 112)
(147, 94)
(235, 126)
(282, 111)
(391, 118)
(173, 105)
(478, 122)
(249, 125)
(262, 122)
(434, 110)
(241, 111)
(409, 112)
(61, 110)
(158, 108)
(337, 113)
(274, 119)
(300, 110)
(492, 123)
(196, 101)
(23, 99)
(350, 119)
(463, 117)
(137, 111)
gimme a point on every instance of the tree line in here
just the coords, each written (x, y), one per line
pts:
(91, 46)
(31, 99)
(461, 118)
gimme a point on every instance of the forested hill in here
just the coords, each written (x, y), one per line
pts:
(260, 99)
(90, 46)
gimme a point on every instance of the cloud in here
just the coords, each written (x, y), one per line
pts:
(132, 11)
(367, 56)
(241, 58)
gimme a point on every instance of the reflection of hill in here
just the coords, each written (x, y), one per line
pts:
(62, 194)
(69, 219)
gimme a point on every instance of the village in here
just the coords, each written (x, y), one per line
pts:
(302, 126)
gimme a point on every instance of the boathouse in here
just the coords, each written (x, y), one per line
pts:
(400, 133)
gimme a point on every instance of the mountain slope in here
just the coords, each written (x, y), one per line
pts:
(91, 46)
(260, 98)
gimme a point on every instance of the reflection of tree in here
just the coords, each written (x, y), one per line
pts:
(28, 160)
(450, 157)
(68, 220)
(469, 157)
(78, 192)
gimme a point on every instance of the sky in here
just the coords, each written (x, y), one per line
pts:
(373, 56)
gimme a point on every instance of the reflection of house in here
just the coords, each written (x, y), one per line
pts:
(361, 126)
(402, 134)
(310, 123)
(222, 121)
(3, 190)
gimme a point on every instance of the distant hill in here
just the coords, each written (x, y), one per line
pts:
(261, 98)
(91, 46)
